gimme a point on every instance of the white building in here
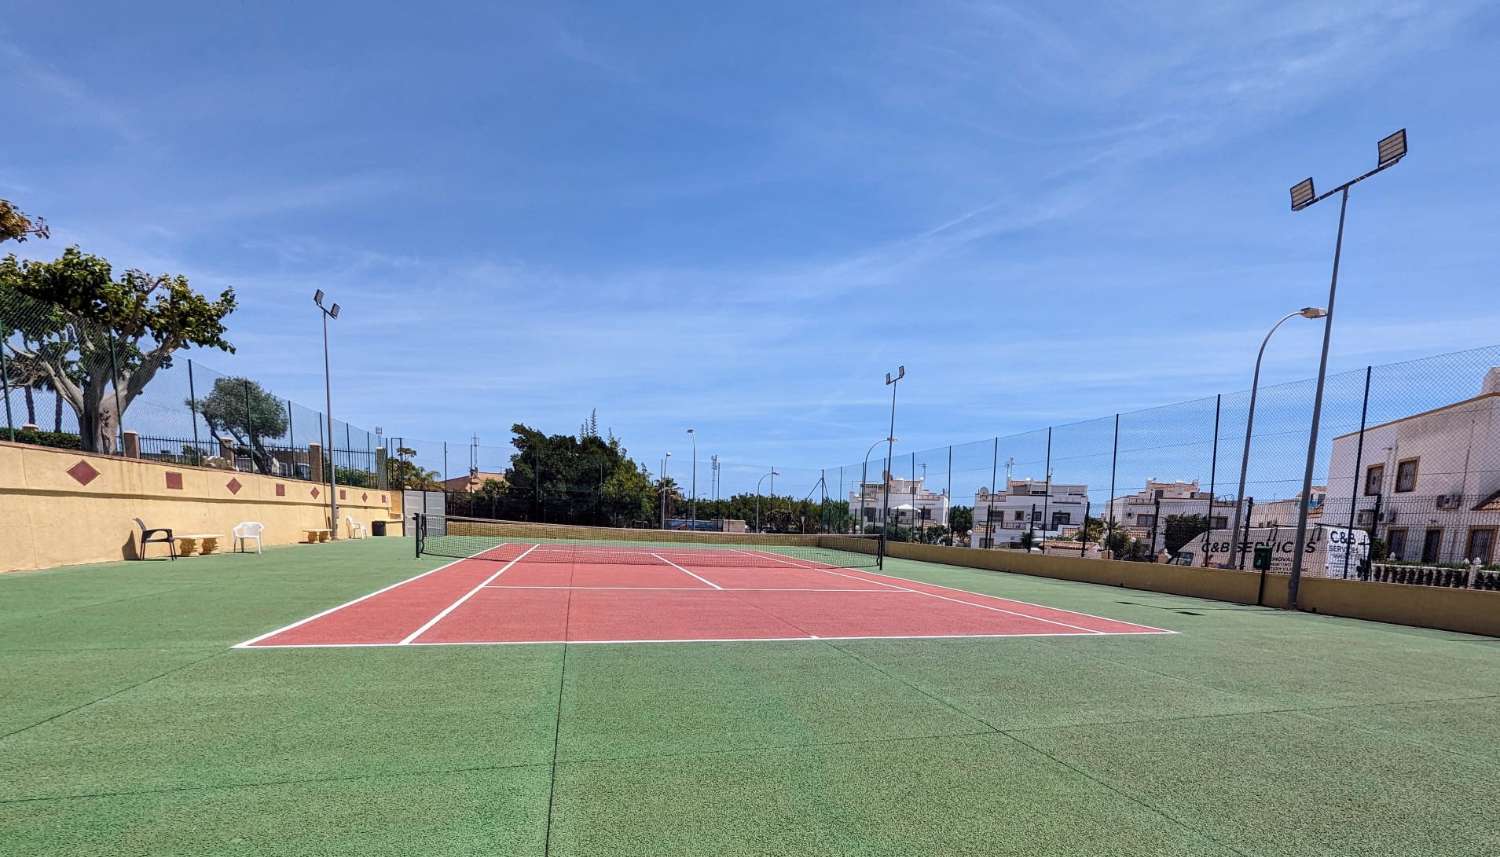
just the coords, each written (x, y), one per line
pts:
(1026, 505)
(1428, 484)
(1145, 513)
(1283, 513)
(911, 503)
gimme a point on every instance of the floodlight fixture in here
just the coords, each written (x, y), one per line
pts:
(1391, 149)
(318, 297)
(334, 313)
(1303, 194)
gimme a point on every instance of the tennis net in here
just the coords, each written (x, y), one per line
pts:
(503, 541)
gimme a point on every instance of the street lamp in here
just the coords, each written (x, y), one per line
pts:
(1239, 500)
(333, 494)
(1388, 152)
(885, 504)
(773, 474)
(694, 436)
(864, 473)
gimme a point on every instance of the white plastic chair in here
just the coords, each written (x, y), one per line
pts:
(246, 531)
(356, 529)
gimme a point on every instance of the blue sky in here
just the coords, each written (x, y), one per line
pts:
(739, 216)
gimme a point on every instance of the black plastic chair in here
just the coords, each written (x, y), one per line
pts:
(156, 535)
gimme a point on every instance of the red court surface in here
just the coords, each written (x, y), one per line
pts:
(521, 596)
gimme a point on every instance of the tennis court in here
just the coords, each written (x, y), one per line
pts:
(132, 725)
(588, 592)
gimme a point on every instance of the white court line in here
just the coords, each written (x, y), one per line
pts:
(970, 603)
(1012, 600)
(466, 596)
(685, 571)
(886, 591)
(718, 640)
(253, 640)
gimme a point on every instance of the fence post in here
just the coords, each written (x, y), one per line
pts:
(1359, 455)
(291, 434)
(114, 377)
(445, 462)
(5, 385)
(1249, 510)
(1114, 458)
(250, 425)
(948, 508)
(193, 412)
(989, 510)
(1213, 472)
(1047, 498)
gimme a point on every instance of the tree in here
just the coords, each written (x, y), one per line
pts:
(1182, 529)
(243, 409)
(961, 519)
(17, 226)
(405, 473)
(100, 340)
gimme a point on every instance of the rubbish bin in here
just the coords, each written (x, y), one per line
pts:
(377, 528)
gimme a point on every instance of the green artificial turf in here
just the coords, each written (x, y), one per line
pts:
(129, 726)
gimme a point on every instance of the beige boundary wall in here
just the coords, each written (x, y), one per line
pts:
(1421, 606)
(63, 507)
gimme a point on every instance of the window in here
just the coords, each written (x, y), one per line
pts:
(1374, 479)
(1061, 519)
(1432, 544)
(1159, 493)
(1481, 545)
(1406, 475)
(1220, 522)
(1020, 515)
(1145, 520)
(1396, 539)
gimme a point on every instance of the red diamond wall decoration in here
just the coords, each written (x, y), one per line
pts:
(280, 490)
(343, 494)
(174, 480)
(233, 485)
(364, 498)
(83, 472)
(382, 498)
(315, 493)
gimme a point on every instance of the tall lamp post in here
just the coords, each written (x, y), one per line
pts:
(1388, 152)
(1239, 499)
(773, 474)
(333, 494)
(885, 503)
(864, 473)
(693, 435)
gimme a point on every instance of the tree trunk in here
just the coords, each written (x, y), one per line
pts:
(57, 411)
(30, 406)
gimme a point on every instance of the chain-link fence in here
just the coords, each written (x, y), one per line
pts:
(1407, 462)
(71, 383)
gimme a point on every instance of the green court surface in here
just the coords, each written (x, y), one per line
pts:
(128, 726)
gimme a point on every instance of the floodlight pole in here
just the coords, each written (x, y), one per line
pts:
(890, 440)
(1239, 498)
(333, 494)
(1389, 152)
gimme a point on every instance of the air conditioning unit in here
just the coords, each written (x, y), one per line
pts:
(1388, 516)
(1450, 502)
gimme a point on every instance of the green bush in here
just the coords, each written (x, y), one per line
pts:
(54, 439)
